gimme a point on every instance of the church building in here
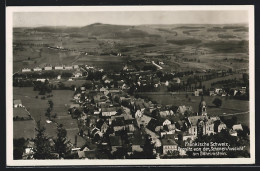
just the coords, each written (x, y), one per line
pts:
(202, 107)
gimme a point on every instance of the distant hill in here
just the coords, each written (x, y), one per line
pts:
(52, 29)
(114, 31)
(98, 28)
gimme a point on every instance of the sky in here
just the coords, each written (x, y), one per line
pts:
(36, 19)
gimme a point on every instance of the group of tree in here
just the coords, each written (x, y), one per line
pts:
(42, 87)
(229, 121)
(18, 148)
(45, 75)
(147, 152)
(228, 83)
(75, 112)
(217, 102)
(22, 83)
(44, 146)
(95, 75)
(49, 109)
(46, 150)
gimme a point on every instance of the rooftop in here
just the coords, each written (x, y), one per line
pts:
(118, 121)
(137, 139)
(115, 140)
(194, 119)
(109, 109)
(168, 142)
(20, 112)
(18, 101)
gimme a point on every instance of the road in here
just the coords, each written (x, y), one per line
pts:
(15, 73)
(158, 66)
(232, 114)
(75, 60)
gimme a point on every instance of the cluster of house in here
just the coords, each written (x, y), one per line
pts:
(242, 90)
(144, 78)
(49, 68)
(105, 112)
(17, 103)
(220, 91)
(111, 119)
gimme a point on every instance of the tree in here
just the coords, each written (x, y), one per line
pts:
(76, 114)
(159, 74)
(42, 148)
(120, 153)
(116, 99)
(18, 148)
(42, 92)
(155, 114)
(55, 115)
(217, 102)
(148, 148)
(50, 103)
(48, 114)
(61, 86)
(246, 78)
(119, 111)
(125, 103)
(61, 143)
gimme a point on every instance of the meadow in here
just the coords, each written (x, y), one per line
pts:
(37, 108)
(132, 41)
(229, 105)
(24, 129)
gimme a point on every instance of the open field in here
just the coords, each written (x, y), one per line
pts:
(20, 112)
(228, 105)
(106, 62)
(37, 109)
(24, 129)
(241, 118)
(67, 83)
(208, 83)
(103, 41)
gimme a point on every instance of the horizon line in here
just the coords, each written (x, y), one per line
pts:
(126, 25)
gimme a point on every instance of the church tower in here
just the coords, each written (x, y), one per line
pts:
(202, 107)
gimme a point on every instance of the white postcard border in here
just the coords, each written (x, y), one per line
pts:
(9, 87)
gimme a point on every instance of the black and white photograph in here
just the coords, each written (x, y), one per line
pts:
(130, 85)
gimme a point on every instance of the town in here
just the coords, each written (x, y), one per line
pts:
(104, 90)
(117, 115)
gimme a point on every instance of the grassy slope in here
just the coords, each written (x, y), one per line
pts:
(37, 108)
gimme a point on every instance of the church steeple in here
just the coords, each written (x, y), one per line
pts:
(202, 107)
